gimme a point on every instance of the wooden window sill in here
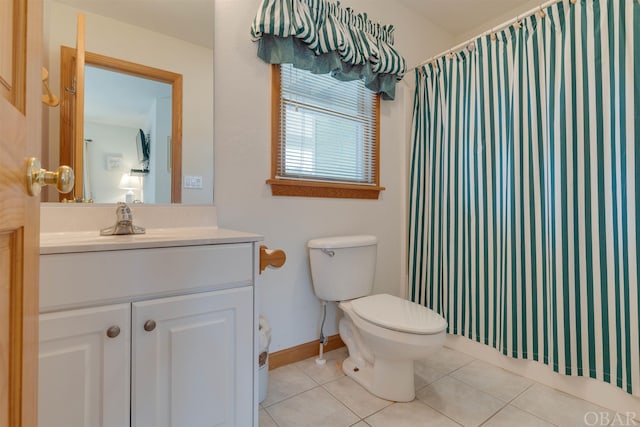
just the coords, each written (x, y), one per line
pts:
(294, 188)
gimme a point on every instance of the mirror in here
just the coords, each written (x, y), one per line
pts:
(173, 36)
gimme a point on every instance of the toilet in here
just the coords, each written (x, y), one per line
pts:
(383, 333)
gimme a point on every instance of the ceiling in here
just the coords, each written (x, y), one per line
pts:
(460, 16)
(189, 20)
(193, 20)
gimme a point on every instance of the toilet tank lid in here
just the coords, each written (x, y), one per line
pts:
(395, 313)
(342, 242)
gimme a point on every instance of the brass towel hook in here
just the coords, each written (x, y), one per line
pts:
(49, 99)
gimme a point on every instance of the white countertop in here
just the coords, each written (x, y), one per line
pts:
(71, 228)
(91, 241)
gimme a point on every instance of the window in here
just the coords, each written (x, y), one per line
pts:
(325, 136)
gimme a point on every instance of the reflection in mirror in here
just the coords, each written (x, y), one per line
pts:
(156, 36)
(132, 127)
(125, 116)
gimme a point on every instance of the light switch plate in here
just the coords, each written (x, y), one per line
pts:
(192, 182)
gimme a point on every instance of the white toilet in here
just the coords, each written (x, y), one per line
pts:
(383, 333)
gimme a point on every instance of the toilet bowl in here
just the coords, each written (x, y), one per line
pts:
(383, 333)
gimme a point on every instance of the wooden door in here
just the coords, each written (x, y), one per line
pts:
(72, 62)
(78, 118)
(194, 365)
(83, 378)
(20, 137)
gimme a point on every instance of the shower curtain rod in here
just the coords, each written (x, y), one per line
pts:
(492, 30)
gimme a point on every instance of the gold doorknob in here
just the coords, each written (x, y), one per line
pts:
(63, 178)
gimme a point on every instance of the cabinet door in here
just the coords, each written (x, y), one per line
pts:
(193, 360)
(84, 367)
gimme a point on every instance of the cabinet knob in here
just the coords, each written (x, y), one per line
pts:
(149, 325)
(113, 331)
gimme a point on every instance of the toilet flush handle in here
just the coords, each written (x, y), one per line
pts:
(328, 252)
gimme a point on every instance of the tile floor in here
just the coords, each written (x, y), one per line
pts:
(452, 389)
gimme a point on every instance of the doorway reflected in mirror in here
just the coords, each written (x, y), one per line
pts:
(126, 128)
(132, 112)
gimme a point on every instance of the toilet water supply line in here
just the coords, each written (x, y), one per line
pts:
(323, 340)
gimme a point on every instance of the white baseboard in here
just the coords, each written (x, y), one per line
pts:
(598, 392)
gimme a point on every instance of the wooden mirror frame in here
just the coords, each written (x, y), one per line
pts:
(71, 155)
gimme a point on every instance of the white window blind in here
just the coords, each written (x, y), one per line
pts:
(327, 129)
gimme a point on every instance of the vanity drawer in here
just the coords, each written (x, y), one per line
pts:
(92, 278)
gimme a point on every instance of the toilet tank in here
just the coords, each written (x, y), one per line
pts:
(343, 267)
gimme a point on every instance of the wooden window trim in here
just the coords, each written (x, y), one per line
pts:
(309, 188)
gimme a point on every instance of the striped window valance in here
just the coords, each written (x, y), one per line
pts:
(322, 37)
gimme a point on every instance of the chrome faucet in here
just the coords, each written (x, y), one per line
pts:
(124, 223)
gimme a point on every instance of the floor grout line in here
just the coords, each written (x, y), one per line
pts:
(293, 395)
(438, 411)
(271, 417)
(454, 378)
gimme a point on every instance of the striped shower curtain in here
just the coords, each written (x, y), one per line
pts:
(525, 182)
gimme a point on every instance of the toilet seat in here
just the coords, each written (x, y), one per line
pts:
(398, 314)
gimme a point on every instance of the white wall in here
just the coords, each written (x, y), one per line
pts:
(123, 41)
(159, 144)
(109, 140)
(149, 181)
(497, 19)
(242, 153)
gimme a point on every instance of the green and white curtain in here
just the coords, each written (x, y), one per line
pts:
(322, 37)
(525, 187)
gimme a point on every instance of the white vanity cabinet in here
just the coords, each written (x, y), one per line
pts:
(83, 377)
(185, 349)
(192, 360)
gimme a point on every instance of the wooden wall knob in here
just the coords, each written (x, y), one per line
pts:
(268, 258)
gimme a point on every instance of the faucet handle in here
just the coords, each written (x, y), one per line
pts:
(124, 223)
(123, 212)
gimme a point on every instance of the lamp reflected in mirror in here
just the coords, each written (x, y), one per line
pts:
(130, 183)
